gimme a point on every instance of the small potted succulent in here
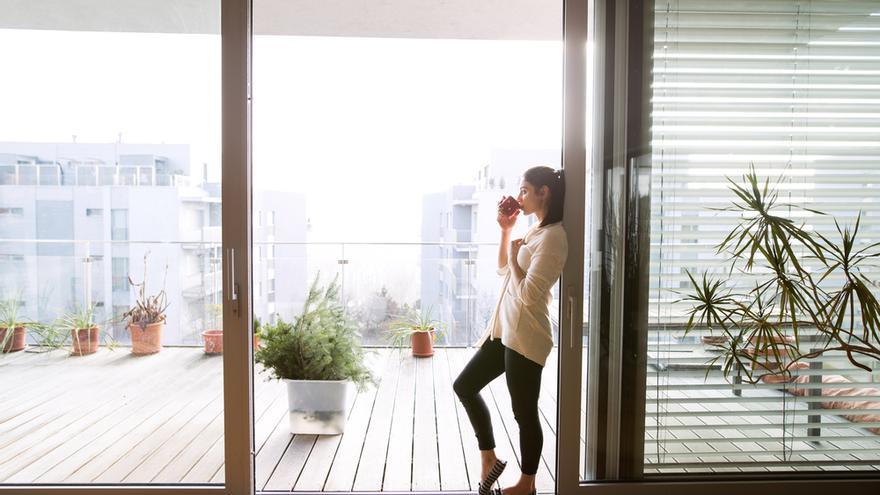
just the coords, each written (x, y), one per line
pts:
(13, 336)
(146, 318)
(318, 356)
(417, 328)
(84, 331)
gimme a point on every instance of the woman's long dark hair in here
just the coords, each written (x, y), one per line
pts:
(555, 182)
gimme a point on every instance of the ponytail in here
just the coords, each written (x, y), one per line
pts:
(555, 182)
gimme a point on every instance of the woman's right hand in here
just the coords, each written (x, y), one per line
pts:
(507, 222)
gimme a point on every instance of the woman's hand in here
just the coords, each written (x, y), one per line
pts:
(514, 252)
(507, 222)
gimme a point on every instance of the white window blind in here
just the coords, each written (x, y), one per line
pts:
(792, 87)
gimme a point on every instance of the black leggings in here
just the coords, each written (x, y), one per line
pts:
(524, 384)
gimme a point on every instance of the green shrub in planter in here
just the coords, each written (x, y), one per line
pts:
(320, 344)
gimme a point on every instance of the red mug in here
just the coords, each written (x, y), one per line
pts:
(508, 205)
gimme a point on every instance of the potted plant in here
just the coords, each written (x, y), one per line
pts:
(764, 326)
(417, 328)
(13, 336)
(257, 325)
(213, 335)
(319, 357)
(84, 331)
(146, 319)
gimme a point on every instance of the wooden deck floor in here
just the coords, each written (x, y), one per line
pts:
(114, 418)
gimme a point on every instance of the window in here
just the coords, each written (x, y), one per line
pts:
(94, 212)
(120, 273)
(119, 225)
(13, 212)
(785, 87)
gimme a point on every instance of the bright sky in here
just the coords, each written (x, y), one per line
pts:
(375, 122)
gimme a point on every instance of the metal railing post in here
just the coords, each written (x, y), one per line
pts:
(815, 378)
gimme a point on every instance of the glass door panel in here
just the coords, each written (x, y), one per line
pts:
(109, 197)
(382, 144)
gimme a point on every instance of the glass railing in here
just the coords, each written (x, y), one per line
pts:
(454, 283)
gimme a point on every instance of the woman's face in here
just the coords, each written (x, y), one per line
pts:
(531, 199)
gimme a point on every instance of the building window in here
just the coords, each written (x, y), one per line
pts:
(120, 274)
(94, 212)
(12, 212)
(119, 225)
(272, 217)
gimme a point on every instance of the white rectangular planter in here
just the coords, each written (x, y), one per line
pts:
(317, 407)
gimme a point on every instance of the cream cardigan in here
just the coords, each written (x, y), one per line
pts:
(522, 317)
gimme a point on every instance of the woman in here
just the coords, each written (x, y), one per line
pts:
(518, 340)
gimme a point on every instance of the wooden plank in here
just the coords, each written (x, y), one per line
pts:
(290, 466)
(33, 372)
(426, 464)
(205, 468)
(190, 454)
(351, 445)
(79, 423)
(57, 386)
(260, 385)
(372, 460)
(398, 463)
(272, 451)
(156, 460)
(453, 472)
(137, 425)
(127, 465)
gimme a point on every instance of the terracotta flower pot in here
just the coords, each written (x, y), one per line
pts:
(256, 341)
(16, 342)
(213, 341)
(146, 340)
(85, 341)
(423, 344)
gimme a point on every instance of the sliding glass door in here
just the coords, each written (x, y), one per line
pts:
(110, 245)
(716, 352)
(384, 137)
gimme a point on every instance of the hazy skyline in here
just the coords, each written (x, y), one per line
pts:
(379, 121)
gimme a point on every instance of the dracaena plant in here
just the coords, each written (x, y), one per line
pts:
(794, 268)
(147, 309)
